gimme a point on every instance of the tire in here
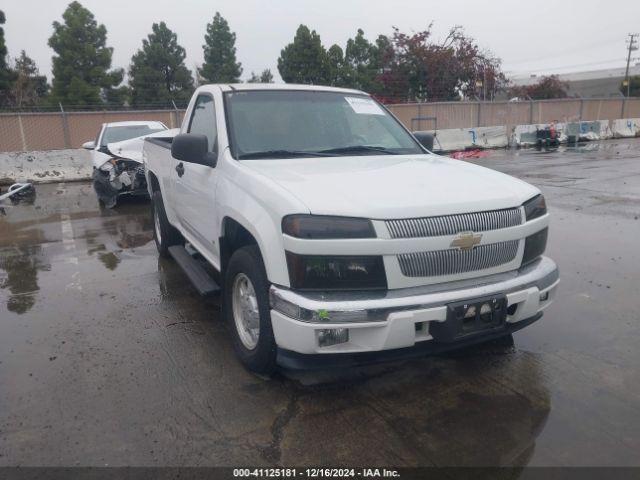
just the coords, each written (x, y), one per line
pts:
(164, 234)
(246, 264)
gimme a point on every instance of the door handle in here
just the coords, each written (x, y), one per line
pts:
(180, 169)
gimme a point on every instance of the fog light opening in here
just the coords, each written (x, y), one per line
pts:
(544, 296)
(486, 313)
(332, 336)
(511, 310)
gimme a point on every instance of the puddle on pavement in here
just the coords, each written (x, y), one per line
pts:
(31, 238)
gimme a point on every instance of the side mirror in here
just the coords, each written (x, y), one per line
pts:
(425, 139)
(193, 148)
(89, 145)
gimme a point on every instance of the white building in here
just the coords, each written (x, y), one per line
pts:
(589, 84)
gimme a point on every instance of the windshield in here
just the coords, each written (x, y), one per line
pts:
(289, 123)
(119, 134)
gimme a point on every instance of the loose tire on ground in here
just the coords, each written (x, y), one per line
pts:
(164, 234)
(246, 264)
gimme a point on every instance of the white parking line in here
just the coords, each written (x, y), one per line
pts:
(69, 243)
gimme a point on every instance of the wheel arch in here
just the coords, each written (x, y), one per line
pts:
(233, 235)
(237, 232)
(153, 185)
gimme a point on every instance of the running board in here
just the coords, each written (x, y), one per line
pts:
(199, 277)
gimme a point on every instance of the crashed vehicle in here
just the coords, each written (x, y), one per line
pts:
(117, 159)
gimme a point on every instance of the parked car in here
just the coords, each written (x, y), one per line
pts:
(117, 159)
(336, 237)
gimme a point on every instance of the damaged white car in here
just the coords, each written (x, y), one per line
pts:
(118, 165)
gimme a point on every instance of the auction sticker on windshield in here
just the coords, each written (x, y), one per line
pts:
(364, 106)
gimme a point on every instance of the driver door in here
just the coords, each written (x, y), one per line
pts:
(195, 185)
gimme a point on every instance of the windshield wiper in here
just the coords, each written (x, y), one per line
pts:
(360, 148)
(283, 153)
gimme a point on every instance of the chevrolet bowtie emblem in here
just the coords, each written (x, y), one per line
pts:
(466, 240)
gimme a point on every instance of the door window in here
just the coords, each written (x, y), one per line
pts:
(203, 120)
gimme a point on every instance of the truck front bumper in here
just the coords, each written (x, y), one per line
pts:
(396, 323)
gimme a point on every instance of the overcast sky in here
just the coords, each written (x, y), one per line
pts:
(529, 36)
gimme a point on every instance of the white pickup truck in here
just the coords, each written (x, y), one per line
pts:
(336, 237)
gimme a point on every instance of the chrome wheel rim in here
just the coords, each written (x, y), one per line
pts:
(245, 311)
(156, 223)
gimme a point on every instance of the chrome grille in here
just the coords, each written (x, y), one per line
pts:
(455, 261)
(453, 224)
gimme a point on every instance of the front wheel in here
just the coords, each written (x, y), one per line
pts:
(247, 312)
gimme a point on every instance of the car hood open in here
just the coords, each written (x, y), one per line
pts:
(386, 186)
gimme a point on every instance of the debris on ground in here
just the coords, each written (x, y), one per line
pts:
(19, 191)
(464, 154)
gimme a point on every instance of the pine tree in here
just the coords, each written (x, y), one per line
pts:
(157, 74)
(3, 46)
(28, 86)
(338, 76)
(5, 73)
(220, 64)
(305, 59)
(265, 77)
(82, 61)
(362, 65)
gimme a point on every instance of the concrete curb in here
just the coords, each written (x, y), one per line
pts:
(626, 128)
(525, 135)
(45, 166)
(588, 131)
(466, 138)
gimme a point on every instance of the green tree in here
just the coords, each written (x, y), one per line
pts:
(265, 77)
(338, 74)
(415, 68)
(157, 74)
(3, 46)
(82, 61)
(120, 96)
(28, 87)
(544, 89)
(4, 68)
(220, 64)
(634, 87)
(305, 59)
(362, 63)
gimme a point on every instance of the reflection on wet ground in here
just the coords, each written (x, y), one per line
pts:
(21, 265)
(108, 356)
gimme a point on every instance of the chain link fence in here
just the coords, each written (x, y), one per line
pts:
(68, 128)
(445, 115)
(64, 129)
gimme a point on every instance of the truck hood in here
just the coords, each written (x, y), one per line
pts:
(386, 187)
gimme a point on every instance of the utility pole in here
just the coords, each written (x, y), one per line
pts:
(484, 83)
(632, 46)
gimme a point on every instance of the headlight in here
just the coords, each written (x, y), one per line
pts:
(534, 208)
(326, 227)
(319, 272)
(534, 246)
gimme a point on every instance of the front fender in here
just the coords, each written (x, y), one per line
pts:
(259, 220)
(258, 204)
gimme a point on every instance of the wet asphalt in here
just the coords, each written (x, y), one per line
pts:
(109, 357)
